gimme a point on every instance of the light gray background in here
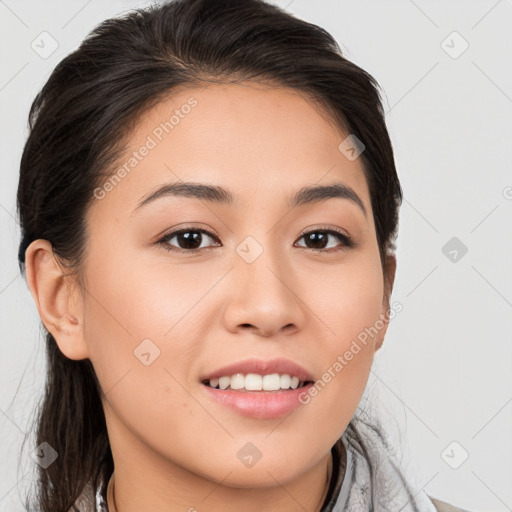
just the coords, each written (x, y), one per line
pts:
(444, 373)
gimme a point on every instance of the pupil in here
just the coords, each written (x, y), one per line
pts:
(190, 241)
(316, 237)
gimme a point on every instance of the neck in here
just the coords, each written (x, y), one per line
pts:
(112, 501)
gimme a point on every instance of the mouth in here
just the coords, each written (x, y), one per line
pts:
(261, 404)
(252, 382)
(261, 389)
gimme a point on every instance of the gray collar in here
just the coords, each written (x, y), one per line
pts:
(350, 489)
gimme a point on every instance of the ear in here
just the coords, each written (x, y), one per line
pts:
(389, 280)
(57, 297)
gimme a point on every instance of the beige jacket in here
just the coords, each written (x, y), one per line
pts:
(442, 506)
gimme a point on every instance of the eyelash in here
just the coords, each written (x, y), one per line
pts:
(347, 241)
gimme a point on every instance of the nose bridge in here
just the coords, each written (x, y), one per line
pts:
(263, 282)
(258, 266)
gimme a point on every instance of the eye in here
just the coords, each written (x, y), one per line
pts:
(193, 239)
(319, 238)
(187, 239)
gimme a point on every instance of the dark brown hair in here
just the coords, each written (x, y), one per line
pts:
(79, 122)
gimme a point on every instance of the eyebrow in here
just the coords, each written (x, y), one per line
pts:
(216, 194)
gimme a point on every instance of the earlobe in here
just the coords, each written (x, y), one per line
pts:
(57, 298)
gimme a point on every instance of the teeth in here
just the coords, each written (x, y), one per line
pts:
(285, 381)
(255, 382)
(294, 382)
(271, 382)
(224, 382)
(237, 381)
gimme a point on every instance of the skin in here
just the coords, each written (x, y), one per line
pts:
(173, 447)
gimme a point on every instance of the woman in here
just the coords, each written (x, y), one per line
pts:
(209, 204)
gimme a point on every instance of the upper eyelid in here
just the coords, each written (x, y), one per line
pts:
(175, 232)
(209, 233)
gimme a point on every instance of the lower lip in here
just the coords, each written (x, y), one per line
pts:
(259, 404)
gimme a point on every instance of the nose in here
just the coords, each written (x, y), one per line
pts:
(264, 297)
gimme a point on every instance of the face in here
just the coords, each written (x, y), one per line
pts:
(253, 277)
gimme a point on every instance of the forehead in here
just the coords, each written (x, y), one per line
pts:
(258, 140)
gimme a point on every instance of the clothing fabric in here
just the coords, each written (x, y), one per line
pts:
(350, 487)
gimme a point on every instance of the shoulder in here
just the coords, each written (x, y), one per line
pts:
(443, 506)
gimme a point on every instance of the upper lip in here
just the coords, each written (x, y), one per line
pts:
(262, 367)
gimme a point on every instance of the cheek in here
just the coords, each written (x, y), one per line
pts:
(348, 298)
(349, 305)
(141, 299)
(137, 327)
(142, 370)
